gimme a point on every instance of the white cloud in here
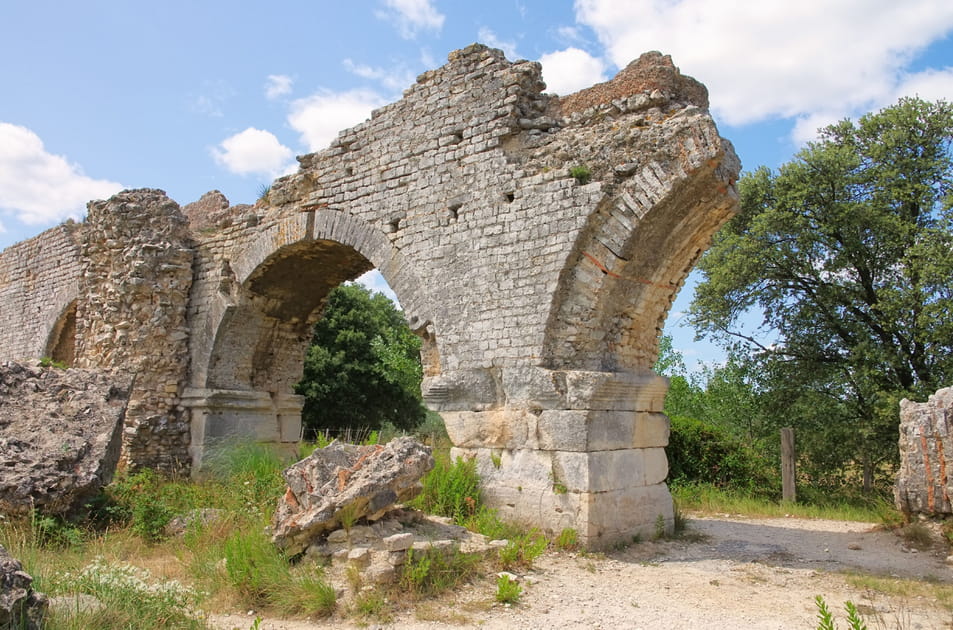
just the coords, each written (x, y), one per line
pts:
(570, 70)
(38, 187)
(374, 281)
(930, 85)
(774, 58)
(254, 151)
(319, 117)
(412, 16)
(394, 79)
(488, 37)
(277, 85)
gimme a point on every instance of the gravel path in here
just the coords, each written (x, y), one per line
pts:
(731, 574)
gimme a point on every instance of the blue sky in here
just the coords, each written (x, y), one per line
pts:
(192, 96)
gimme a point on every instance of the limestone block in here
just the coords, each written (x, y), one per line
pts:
(398, 542)
(583, 430)
(474, 390)
(603, 471)
(622, 391)
(496, 428)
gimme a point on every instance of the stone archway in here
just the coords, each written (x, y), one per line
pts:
(540, 239)
(268, 299)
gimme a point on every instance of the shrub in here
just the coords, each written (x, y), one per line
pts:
(581, 173)
(450, 489)
(699, 453)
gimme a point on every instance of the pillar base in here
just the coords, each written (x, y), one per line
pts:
(219, 415)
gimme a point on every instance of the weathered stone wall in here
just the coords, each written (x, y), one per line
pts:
(535, 243)
(39, 279)
(924, 484)
(137, 259)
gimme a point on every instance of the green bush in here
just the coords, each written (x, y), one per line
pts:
(450, 489)
(699, 453)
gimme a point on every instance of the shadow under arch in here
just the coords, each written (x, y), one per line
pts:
(61, 342)
(278, 286)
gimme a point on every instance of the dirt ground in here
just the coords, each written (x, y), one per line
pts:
(728, 573)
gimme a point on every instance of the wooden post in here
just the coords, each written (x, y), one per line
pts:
(788, 492)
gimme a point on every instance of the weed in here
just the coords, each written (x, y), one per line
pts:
(497, 459)
(508, 590)
(567, 540)
(581, 173)
(130, 597)
(372, 603)
(825, 619)
(50, 362)
(263, 191)
(450, 489)
(522, 550)
(50, 531)
(434, 571)
(558, 486)
(659, 527)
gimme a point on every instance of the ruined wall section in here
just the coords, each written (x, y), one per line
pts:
(39, 278)
(924, 483)
(132, 316)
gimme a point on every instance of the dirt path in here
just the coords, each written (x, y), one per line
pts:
(733, 574)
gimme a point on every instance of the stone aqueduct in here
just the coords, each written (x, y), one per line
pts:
(539, 295)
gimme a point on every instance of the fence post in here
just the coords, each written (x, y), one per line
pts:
(788, 492)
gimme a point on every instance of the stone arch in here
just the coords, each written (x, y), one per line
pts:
(629, 262)
(61, 342)
(276, 290)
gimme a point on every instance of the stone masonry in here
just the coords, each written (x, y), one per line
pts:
(924, 484)
(535, 244)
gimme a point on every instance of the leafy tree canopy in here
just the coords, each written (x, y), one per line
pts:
(363, 368)
(847, 253)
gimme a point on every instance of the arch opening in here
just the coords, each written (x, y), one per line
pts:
(258, 353)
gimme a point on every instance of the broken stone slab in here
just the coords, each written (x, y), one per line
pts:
(346, 482)
(20, 606)
(60, 435)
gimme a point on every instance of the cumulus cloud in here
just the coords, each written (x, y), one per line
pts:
(39, 187)
(394, 79)
(772, 58)
(570, 70)
(254, 152)
(319, 117)
(487, 36)
(412, 16)
(277, 85)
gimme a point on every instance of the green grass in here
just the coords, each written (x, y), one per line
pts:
(709, 499)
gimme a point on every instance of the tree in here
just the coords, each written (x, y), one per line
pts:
(847, 252)
(363, 368)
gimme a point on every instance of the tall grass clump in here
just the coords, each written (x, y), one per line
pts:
(127, 597)
(451, 489)
(434, 571)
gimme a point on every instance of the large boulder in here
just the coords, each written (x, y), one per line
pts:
(20, 606)
(60, 435)
(924, 483)
(346, 482)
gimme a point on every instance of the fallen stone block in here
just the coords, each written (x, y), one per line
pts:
(60, 435)
(344, 483)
